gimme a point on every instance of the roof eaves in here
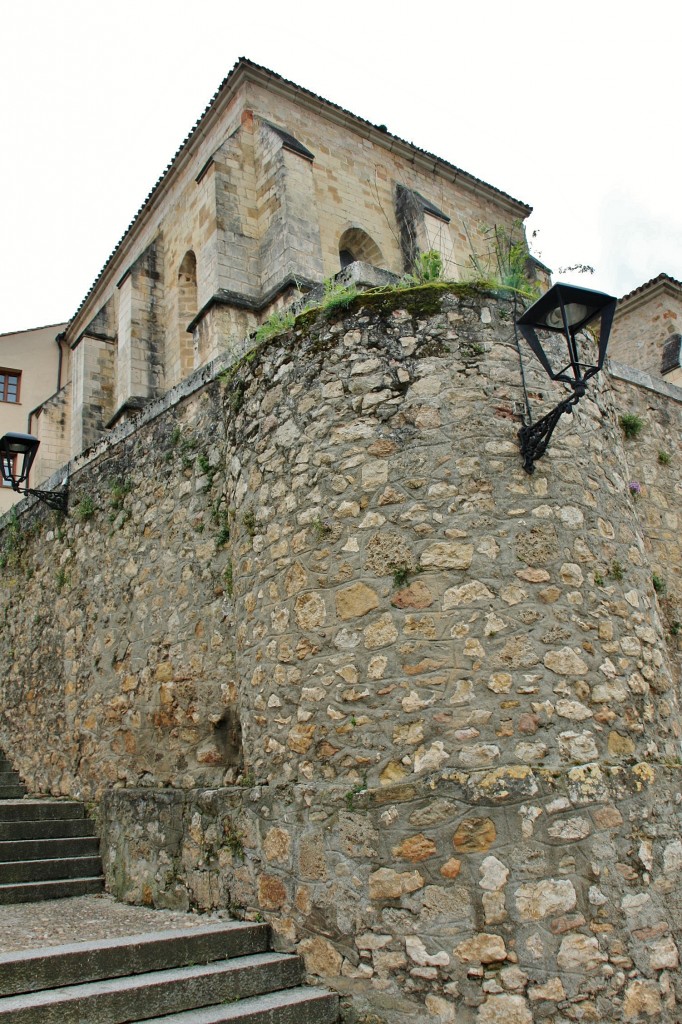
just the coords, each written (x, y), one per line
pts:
(661, 279)
(31, 330)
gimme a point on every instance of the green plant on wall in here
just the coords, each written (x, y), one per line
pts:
(659, 583)
(276, 323)
(631, 425)
(428, 267)
(85, 509)
(234, 838)
(337, 296)
(220, 515)
(503, 263)
(249, 522)
(616, 570)
(118, 492)
(322, 527)
(402, 572)
(228, 576)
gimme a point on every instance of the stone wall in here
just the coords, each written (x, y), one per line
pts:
(320, 651)
(651, 465)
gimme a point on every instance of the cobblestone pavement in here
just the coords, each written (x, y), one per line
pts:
(83, 919)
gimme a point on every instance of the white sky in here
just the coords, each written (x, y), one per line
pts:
(570, 107)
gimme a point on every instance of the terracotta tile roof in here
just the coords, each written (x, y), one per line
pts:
(246, 63)
(654, 280)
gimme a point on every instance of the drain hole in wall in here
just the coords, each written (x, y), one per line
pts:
(228, 738)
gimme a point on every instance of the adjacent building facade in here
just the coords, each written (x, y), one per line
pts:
(646, 330)
(32, 365)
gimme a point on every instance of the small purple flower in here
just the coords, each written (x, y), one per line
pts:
(635, 488)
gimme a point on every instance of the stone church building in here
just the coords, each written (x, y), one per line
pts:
(273, 190)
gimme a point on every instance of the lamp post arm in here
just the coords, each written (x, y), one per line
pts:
(58, 500)
(535, 437)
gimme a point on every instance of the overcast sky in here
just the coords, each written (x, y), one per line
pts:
(572, 108)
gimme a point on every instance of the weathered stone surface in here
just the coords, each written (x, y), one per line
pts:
(552, 990)
(387, 551)
(415, 848)
(504, 1009)
(535, 900)
(431, 758)
(579, 747)
(387, 884)
(664, 955)
(311, 858)
(642, 999)
(468, 593)
(494, 874)
(474, 835)
(483, 948)
(354, 601)
(277, 845)
(320, 956)
(448, 555)
(271, 892)
(416, 951)
(565, 662)
(380, 633)
(579, 953)
(417, 595)
(310, 611)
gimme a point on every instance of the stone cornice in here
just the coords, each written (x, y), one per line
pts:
(645, 380)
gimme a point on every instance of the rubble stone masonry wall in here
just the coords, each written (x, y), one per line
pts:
(318, 650)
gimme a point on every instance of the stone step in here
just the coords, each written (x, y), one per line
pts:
(49, 870)
(48, 848)
(9, 777)
(29, 892)
(57, 966)
(156, 994)
(293, 1006)
(45, 828)
(40, 810)
(12, 792)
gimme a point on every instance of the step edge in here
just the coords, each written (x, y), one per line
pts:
(298, 995)
(123, 941)
(139, 982)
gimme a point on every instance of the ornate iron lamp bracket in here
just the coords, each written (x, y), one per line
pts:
(535, 437)
(58, 500)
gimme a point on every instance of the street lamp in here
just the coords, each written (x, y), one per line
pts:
(17, 453)
(563, 311)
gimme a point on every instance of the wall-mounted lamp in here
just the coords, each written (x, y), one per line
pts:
(17, 452)
(563, 310)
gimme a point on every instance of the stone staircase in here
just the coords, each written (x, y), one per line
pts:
(11, 786)
(210, 974)
(48, 848)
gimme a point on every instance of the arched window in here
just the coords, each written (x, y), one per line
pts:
(356, 244)
(187, 310)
